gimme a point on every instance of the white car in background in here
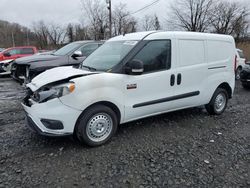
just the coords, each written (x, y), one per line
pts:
(5, 66)
(240, 63)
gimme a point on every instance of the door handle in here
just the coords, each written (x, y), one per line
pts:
(172, 79)
(179, 79)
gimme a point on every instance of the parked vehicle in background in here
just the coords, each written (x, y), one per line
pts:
(70, 55)
(17, 52)
(245, 76)
(240, 63)
(130, 77)
(2, 49)
(5, 67)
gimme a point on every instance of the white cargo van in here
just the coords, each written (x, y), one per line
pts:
(131, 77)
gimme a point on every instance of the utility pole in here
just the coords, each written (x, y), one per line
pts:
(27, 35)
(13, 39)
(110, 17)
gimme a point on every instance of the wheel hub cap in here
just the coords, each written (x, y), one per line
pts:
(220, 102)
(99, 127)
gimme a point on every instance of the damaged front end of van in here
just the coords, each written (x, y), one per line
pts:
(45, 112)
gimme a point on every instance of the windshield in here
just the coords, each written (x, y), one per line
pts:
(67, 49)
(108, 55)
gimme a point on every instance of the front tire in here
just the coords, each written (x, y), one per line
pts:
(97, 125)
(218, 103)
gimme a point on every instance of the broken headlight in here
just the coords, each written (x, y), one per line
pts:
(55, 92)
(63, 89)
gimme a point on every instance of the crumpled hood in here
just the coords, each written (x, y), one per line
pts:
(36, 58)
(54, 75)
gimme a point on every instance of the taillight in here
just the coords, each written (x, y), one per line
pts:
(235, 63)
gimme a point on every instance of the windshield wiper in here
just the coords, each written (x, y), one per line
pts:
(90, 68)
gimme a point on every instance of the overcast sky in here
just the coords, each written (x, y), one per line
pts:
(63, 12)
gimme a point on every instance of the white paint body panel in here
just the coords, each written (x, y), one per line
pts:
(198, 74)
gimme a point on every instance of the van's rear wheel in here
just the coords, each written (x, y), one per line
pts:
(218, 103)
(97, 125)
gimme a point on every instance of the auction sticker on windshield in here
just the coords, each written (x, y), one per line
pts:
(130, 43)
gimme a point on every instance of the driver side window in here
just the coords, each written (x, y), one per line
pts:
(88, 49)
(156, 56)
(14, 52)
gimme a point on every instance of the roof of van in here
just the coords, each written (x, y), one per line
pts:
(154, 35)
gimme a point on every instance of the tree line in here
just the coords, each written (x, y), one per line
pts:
(213, 16)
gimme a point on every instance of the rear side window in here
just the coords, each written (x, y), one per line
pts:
(156, 56)
(27, 51)
(88, 49)
(192, 52)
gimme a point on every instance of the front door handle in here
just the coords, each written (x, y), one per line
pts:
(172, 80)
(178, 79)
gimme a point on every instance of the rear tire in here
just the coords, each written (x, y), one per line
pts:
(96, 126)
(218, 103)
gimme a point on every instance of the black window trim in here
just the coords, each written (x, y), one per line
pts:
(120, 68)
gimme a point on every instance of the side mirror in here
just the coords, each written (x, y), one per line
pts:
(77, 54)
(7, 54)
(135, 67)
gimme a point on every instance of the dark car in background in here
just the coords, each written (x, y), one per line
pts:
(25, 69)
(245, 76)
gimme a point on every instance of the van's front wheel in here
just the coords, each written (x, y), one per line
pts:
(218, 103)
(97, 125)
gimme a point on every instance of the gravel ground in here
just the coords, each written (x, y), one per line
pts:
(187, 148)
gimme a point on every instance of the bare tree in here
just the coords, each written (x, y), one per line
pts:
(49, 35)
(191, 15)
(77, 32)
(150, 23)
(70, 33)
(147, 23)
(56, 34)
(123, 22)
(14, 34)
(157, 25)
(230, 18)
(41, 32)
(97, 15)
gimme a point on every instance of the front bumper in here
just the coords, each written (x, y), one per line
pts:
(245, 76)
(19, 72)
(5, 68)
(53, 111)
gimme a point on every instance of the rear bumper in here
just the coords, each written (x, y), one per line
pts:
(51, 118)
